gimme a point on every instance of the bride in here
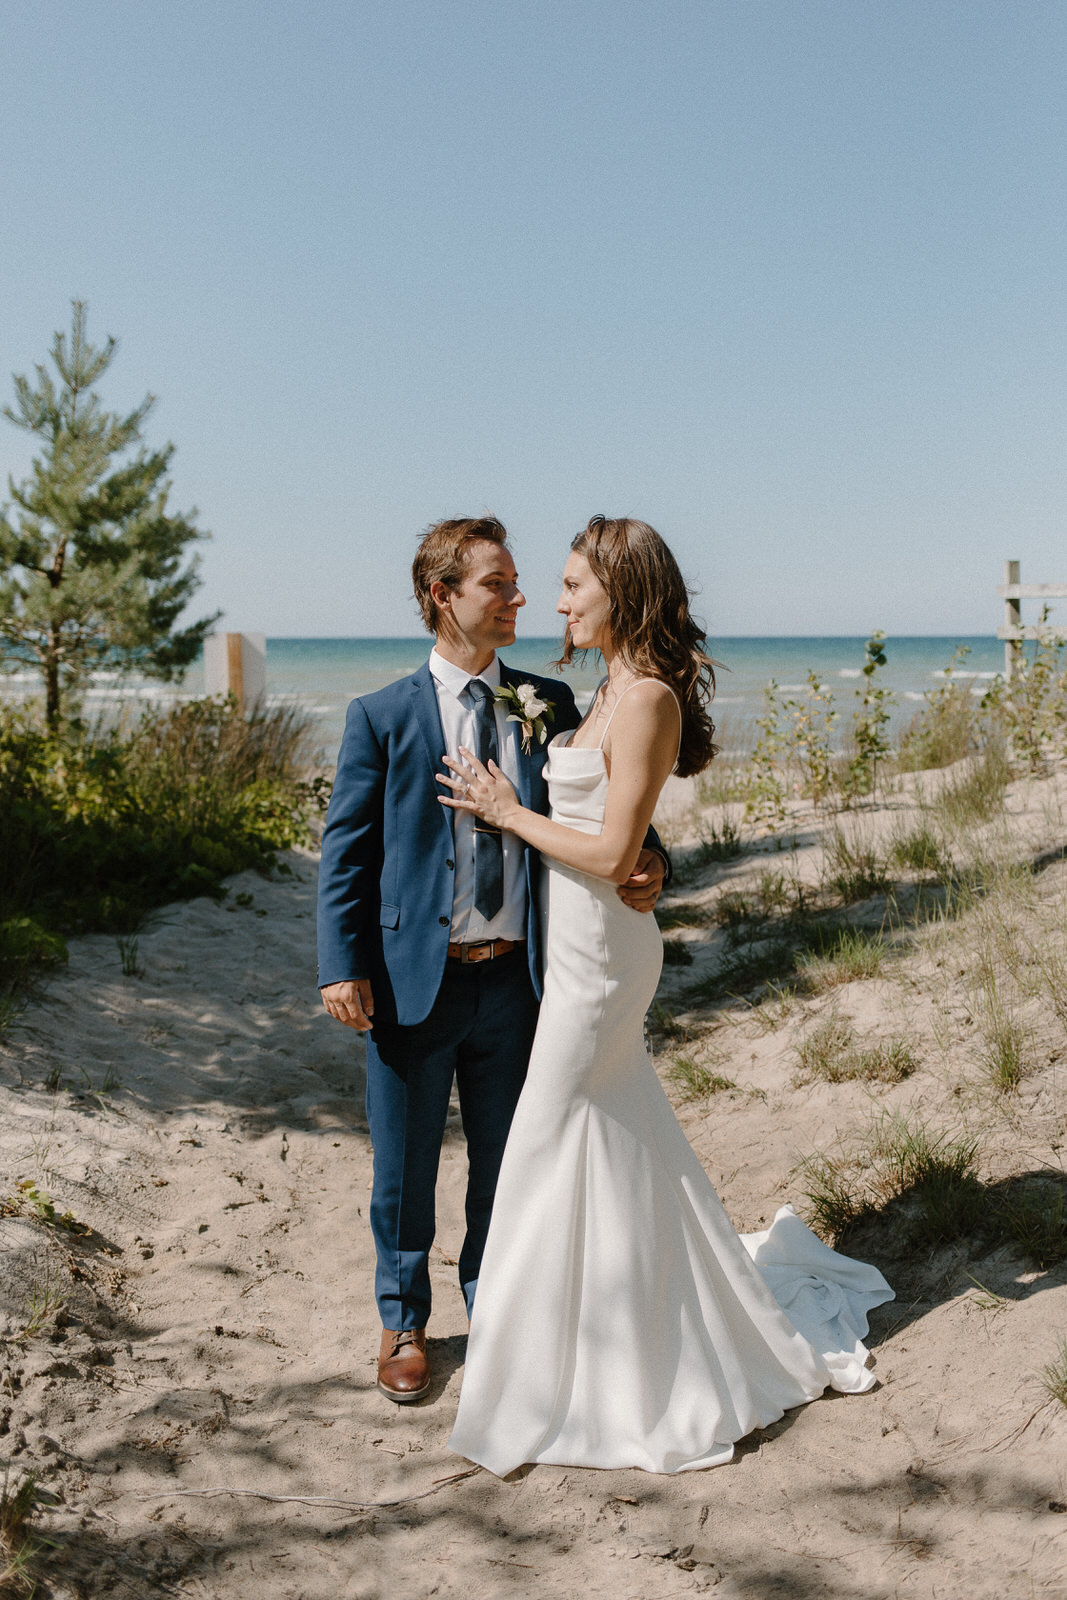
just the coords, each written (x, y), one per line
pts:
(620, 1320)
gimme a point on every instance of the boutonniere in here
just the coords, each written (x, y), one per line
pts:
(523, 705)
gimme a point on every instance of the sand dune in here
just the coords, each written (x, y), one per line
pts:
(215, 1329)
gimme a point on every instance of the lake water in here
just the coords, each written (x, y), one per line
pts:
(323, 675)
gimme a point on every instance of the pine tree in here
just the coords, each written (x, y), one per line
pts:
(91, 571)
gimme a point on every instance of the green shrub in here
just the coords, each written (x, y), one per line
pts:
(1030, 711)
(102, 824)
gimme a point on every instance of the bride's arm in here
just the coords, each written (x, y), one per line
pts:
(642, 752)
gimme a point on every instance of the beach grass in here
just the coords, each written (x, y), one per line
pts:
(1054, 1376)
(20, 1545)
(103, 823)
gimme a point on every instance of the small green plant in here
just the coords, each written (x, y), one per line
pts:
(870, 725)
(978, 795)
(830, 1053)
(676, 953)
(47, 1299)
(921, 851)
(938, 1169)
(1054, 1376)
(765, 789)
(809, 738)
(774, 1008)
(827, 1047)
(694, 1081)
(732, 908)
(1005, 1052)
(1034, 1215)
(128, 948)
(835, 1201)
(20, 1546)
(722, 843)
(854, 868)
(848, 956)
(32, 1201)
(986, 1299)
(946, 729)
(1031, 709)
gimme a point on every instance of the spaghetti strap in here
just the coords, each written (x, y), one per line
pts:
(636, 684)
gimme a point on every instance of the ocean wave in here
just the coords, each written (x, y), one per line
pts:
(947, 672)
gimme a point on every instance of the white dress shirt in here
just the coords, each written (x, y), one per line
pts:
(459, 726)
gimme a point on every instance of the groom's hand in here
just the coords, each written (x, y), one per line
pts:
(350, 1002)
(642, 888)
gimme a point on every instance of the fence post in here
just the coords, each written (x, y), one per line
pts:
(1013, 618)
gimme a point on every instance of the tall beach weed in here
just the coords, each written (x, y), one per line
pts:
(101, 824)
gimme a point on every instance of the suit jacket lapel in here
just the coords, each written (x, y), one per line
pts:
(428, 717)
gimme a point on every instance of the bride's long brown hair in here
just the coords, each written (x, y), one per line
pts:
(651, 626)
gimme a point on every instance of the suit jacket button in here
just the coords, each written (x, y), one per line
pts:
(450, 865)
(443, 921)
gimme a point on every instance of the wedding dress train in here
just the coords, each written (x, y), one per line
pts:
(620, 1321)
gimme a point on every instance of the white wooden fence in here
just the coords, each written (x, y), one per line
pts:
(1013, 632)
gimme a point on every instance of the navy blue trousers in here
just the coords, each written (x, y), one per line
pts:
(479, 1032)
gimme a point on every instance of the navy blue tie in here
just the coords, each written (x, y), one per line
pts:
(488, 847)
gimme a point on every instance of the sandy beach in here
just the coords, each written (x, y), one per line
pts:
(189, 1368)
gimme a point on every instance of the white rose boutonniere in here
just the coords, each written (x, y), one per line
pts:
(524, 706)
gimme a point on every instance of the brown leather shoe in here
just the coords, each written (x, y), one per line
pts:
(403, 1370)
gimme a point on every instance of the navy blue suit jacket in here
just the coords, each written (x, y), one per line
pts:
(386, 876)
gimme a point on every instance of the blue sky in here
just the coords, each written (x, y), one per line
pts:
(784, 277)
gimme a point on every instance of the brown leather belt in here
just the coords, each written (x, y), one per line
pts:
(471, 953)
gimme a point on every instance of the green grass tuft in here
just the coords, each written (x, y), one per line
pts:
(831, 1054)
(978, 795)
(855, 870)
(848, 955)
(1054, 1377)
(20, 1546)
(921, 851)
(696, 1082)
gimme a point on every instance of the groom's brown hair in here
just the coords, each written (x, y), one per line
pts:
(442, 557)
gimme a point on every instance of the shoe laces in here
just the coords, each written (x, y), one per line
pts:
(402, 1337)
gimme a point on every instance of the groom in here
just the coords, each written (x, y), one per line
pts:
(429, 939)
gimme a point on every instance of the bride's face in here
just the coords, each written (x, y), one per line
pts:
(584, 603)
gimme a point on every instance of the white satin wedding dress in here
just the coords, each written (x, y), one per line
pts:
(620, 1321)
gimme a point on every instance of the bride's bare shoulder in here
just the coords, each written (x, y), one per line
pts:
(646, 709)
(647, 694)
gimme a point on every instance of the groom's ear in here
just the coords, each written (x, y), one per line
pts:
(441, 595)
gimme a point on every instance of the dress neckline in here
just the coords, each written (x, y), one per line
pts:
(562, 741)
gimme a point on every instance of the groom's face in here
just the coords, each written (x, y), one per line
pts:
(482, 611)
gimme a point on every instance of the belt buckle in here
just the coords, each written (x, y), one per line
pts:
(468, 957)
